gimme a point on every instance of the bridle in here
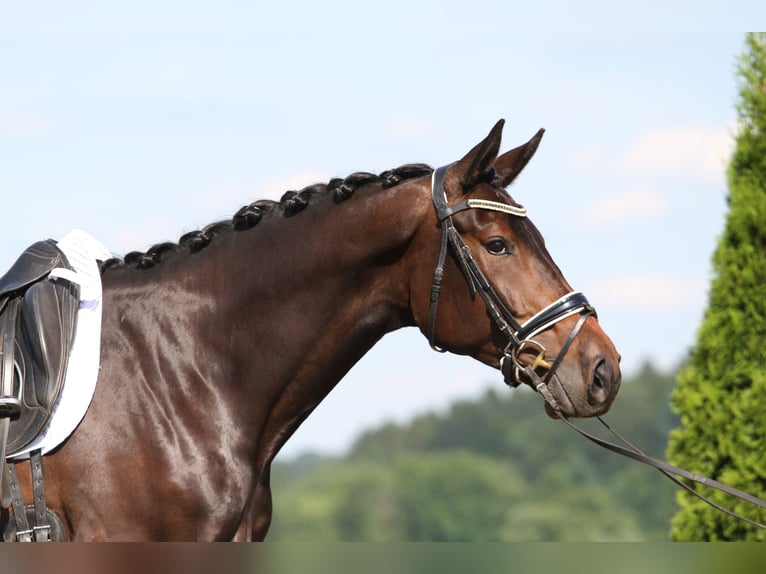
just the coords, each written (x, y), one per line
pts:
(519, 336)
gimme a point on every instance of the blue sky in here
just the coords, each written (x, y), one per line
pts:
(140, 121)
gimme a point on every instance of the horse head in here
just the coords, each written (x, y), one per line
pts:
(497, 294)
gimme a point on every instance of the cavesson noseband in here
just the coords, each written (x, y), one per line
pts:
(519, 336)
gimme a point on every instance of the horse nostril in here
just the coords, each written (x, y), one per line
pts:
(598, 380)
(599, 389)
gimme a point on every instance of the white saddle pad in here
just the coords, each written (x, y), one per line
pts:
(81, 251)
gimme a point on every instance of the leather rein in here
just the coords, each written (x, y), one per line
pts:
(520, 338)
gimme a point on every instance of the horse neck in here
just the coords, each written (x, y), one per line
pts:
(281, 312)
(330, 279)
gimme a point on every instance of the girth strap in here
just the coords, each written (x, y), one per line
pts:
(40, 531)
(42, 528)
(23, 531)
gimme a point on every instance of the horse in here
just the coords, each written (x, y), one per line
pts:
(216, 348)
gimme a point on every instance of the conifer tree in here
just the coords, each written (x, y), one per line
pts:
(721, 392)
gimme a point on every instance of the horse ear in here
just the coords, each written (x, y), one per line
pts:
(510, 164)
(467, 171)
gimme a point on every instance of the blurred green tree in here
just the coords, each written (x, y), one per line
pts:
(454, 496)
(495, 468)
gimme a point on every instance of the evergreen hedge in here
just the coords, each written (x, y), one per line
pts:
(721, 392)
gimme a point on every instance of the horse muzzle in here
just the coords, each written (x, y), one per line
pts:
(583, 390)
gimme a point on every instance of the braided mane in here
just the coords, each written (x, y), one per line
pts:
(292, 202)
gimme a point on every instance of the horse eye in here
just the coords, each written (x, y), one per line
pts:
(497, 246)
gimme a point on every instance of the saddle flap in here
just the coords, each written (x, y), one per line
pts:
(38, 327)
(48, 318)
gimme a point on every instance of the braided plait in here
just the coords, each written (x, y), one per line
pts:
(248, 216)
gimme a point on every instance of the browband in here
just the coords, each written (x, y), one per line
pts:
(517, 210)
(444, 211)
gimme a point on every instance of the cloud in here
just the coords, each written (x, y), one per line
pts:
(630, 205)
(689, 152)
(644, 292)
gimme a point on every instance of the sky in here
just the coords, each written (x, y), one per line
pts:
(138, 121)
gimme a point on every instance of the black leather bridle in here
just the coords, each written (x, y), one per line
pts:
(519, 336)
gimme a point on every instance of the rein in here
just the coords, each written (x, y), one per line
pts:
(520, 338)
(633, 452)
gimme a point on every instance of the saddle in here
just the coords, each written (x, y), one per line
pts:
(37, 325)
(38, 317)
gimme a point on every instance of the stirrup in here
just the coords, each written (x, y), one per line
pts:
(9, 407)
(10, 401)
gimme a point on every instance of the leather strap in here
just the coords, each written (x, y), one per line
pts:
(668, 470)
(568, 305)
(42, 527)
(477, 282)
(40, 531)
(5, 491)
(665, 468)
(8, 401)
(23, 531)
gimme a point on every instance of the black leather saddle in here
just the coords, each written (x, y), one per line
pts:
(38, 319)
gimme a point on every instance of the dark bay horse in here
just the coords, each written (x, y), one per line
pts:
(215, 349)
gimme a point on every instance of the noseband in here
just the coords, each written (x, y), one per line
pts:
(519, 336)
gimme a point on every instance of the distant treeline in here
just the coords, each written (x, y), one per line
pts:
(494, 469)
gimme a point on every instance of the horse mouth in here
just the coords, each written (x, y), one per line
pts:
(564, 405)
